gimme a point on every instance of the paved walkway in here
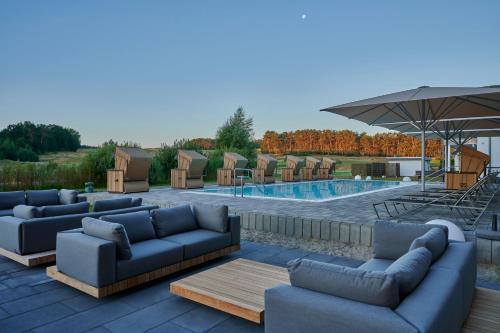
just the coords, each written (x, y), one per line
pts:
(30, 301)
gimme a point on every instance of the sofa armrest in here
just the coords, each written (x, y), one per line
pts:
(292, 309)
(233, 225)
(81, 198)
(88, 259)
(10, 233)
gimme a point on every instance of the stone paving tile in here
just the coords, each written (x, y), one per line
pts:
(38, 300)
(15, 293)
(35, 318)
(239, 325)
(201, 319)
(151, 316)
(169, 328)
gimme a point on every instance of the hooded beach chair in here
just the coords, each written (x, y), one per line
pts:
(189, 172)
(264, 172)
(131, 171)
(326, 168)
(232, 161)
(310, 172)
(293, 170)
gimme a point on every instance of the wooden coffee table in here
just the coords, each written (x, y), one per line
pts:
(236, 287)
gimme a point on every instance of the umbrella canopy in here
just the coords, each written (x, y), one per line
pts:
(423, 107)
(464, 136)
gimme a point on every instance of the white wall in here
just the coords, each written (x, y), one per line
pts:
(483, 146)
(408, 167)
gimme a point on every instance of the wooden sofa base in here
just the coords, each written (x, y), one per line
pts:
(99, 292)
(30, 260)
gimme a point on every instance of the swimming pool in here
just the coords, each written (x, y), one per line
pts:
(316, 191)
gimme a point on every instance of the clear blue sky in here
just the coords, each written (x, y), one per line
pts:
(153, 71)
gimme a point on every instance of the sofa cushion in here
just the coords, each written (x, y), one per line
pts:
(67, 197)
(42, 197)
(113, 232)
(169, 221)
(372, 287)
(376, 264)
(211, 217)
(461, 257)
(411, 269)
(433, 240)
(148, 256)
(435, 306)
(9, 200)
(6, 212)
(199, 242)
(391, 240)
(67, 209)
(26, 212)
(137, 224)
(136, 202)
(112, 204)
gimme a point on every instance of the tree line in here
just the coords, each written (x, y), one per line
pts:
(346, 142)
(25, 141)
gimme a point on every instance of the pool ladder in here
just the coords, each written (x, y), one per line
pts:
(247, 174)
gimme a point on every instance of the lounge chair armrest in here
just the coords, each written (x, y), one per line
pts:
(88, 259)
(292, 310)
(10, 233)
(234, 228)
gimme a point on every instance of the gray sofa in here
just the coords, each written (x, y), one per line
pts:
(331, 298)
(33, 229)
(8, 200)
(115, 248)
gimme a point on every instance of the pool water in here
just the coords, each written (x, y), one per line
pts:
(307, 191)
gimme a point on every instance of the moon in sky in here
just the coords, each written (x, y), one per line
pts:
(304, 16)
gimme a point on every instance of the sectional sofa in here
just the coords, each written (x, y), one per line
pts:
(113, 253)
(8, 200)
(417, 282)
(29, 236)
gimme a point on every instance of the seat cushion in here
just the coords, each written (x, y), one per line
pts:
(433, 240)
(211, 217)
(113, 232)
(42, 197)
(372, 287)
(137, 224)
(170, 221)
(411, 269)
(112, 204)
(148, 256)
(9, 200)
(376, 265)
(6, 212)
(435, 306)
(67, 209)
(199, 242)
(26, 212)
(67, 197)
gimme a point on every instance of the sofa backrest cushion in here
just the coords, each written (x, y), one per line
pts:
(113, 232)
(42, 197)
(371, 287)
(9, 200)
(433, 240)
(211, 217)
(67, 209)
(391, 240)
(137, 224)
(410, 269)
(112, 204)
(169, 221)
(26, 212)
(67, 197)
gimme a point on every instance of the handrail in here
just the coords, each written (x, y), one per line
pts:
(248, 175)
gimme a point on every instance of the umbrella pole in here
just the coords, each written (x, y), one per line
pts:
(446, 152)
(422, 172)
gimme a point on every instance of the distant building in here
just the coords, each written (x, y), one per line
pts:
(490, 146)
(408, 166)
